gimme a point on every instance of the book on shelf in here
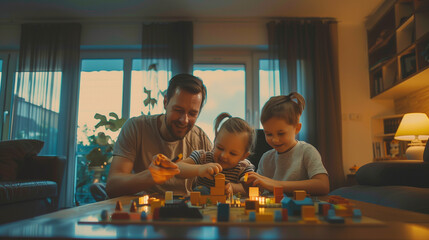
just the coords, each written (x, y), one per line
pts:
(389, 149)
(391, 125)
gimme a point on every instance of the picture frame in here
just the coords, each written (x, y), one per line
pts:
(408, 64)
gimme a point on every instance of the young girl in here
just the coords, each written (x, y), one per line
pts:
(232, 145)
(291, 164)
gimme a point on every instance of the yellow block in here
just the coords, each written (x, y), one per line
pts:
(253, 192)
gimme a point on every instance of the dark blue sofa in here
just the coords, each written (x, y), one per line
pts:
(400, 184)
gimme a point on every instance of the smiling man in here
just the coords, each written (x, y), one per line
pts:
(173, 133)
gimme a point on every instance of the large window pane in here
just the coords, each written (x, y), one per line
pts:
(148, 83)
(267, 86)
(226, 86)
(100, 93)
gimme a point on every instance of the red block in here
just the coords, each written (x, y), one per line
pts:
(284, 215)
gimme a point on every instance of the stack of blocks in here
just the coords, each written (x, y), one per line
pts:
(217, 193)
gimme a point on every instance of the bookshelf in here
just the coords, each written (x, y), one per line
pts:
(398, 48)
(383, 143)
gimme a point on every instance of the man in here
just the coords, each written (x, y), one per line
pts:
(141, 138)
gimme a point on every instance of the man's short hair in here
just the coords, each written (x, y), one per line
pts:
(189, 83)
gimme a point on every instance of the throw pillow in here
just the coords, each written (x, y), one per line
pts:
(13, 154)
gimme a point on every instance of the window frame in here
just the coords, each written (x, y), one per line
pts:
(9, 68)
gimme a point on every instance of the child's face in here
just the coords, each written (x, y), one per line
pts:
(279, 134)
(230, 148)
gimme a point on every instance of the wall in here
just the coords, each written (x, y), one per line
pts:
(356, 105)
(415, 102)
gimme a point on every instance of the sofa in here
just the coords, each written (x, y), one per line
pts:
(30, 185)
(402, 184)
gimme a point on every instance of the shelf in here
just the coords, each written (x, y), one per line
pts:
(411, 84)
(398, 63)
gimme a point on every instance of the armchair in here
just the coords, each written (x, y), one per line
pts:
(30, 185)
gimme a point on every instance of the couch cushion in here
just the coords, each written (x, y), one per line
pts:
(26, 190)
(13, 154)
(403, 197)
(400, 173)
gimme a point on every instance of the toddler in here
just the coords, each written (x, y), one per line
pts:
(232, 145)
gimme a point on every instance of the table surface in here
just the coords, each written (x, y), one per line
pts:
(398, 224)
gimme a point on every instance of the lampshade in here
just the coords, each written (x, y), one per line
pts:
(413, 126)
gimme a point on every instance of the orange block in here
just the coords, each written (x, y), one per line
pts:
(299, 195)
(195, 198)
(264, 217)
(217, 191)
(278, 191)
(308, 212)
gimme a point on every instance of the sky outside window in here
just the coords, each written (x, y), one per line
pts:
(225, 92)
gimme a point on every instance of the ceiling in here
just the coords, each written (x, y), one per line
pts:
(115, 10)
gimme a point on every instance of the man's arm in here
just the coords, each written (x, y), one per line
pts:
(121, 181)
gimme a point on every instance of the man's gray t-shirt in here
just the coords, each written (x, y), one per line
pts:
(302, 162)
(139, 140)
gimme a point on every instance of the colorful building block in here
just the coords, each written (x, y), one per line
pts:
(253, 192)
(195, 198)
(299, 195)
(223, 212)
(168, 197)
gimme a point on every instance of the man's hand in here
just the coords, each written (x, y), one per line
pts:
(162, 169)
(208, 170)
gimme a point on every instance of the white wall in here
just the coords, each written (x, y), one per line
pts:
(356, 105)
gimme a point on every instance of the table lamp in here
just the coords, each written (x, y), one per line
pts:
(414, 127)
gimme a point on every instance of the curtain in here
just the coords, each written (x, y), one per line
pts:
(44, 105)
(305, 54)
(167, 50)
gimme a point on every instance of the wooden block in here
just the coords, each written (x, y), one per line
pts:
(133, 207)
(308, 212)
(278, 191)
(264, 217)
(217, 191)
(168, 197)
(120, 215)
(155, 204)
(219, 182)
(251, 205)
(253, 192)
(299, 195)
(284, 214)
(278, 199)
(118, 206)
(195, 198)
(135, 216)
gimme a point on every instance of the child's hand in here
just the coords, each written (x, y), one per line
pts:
(255, 179)
(209, 170)
(228, 189)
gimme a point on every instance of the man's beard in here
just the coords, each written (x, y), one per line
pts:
(171, 131)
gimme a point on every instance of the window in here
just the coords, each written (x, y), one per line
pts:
(267, 87)
(100, 95)
(116, 82)
(147, 87)
(226, 84)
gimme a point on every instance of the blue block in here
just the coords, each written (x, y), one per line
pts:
(223, 212)
(104, 215)
(278, 216)
(357, 213)
(252, 216)
(143, 216)
(331, 212)
(334, 219)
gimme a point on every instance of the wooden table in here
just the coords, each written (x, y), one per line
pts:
(399, 224)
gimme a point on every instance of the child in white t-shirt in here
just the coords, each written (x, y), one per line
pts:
(291, 164)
